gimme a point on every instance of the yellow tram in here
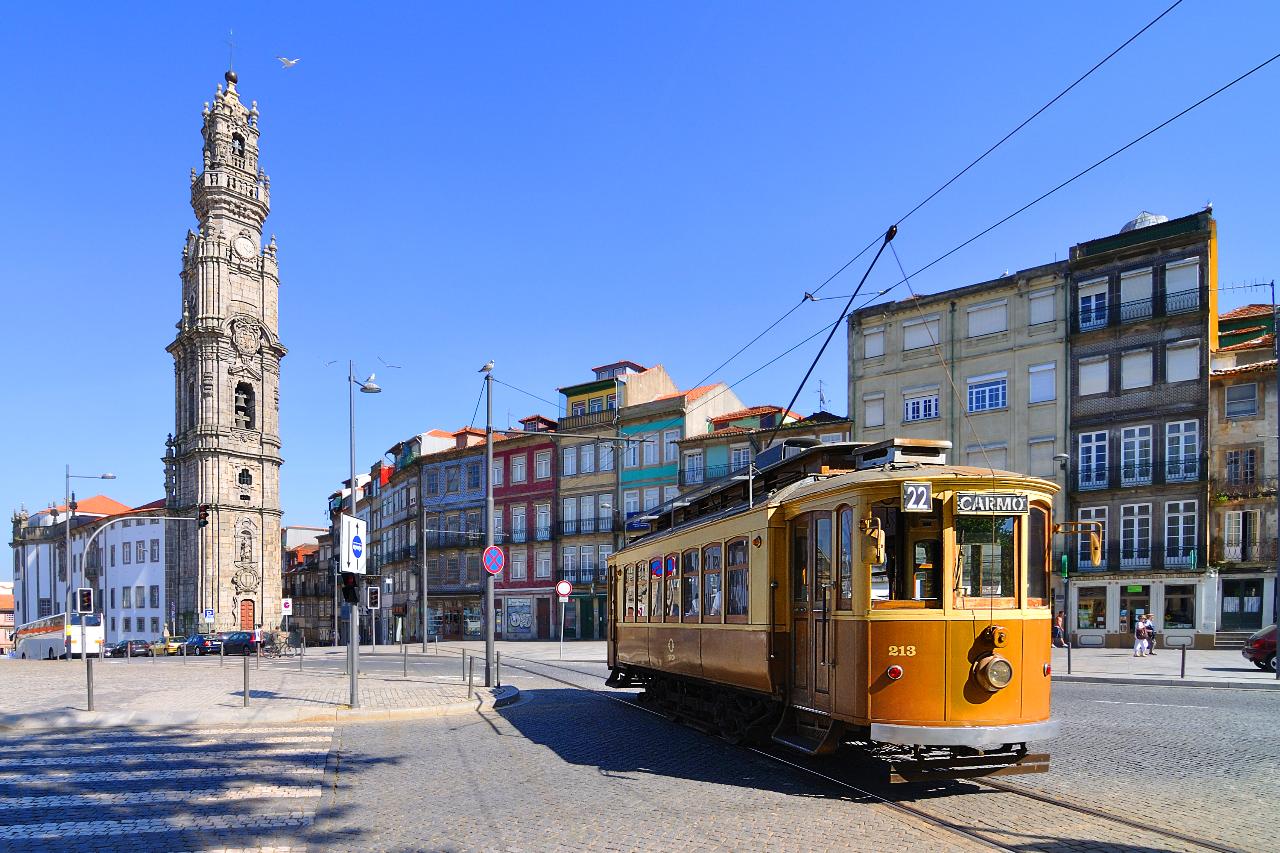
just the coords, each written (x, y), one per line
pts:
(849, 593)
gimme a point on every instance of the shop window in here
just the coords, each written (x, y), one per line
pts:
(1135, 602)
(1180, 606)
(712, 595)
(736, 581)
(690, 590)
(1091, 608)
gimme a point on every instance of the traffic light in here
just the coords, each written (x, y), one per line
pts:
(204, 515)
(372, 596)
(350, 588)
(84, 599)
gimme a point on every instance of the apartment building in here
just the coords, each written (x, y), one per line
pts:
(525, 466)
(1143, 322)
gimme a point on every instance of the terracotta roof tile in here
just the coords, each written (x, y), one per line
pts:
(1265, 341)
(1254, 310)
(1245, 331)
(720, 433)
(97, 505)
(1245, 368)
(690, 395)
(153, 505)
(6, 603)
(746, 413)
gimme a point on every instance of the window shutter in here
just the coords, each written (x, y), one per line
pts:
(920, 333)
(1135, 369)
(1179, 278)
(1182, 362)
(873, 343)
(873, 411)
(1135, 286)
(1093, 377)
(1043, 382)
(1041, 458)
(987, 319)
(1041, 308)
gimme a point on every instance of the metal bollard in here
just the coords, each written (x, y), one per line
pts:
(404, 655)
(464, 664)
(1183, 674)
(246, 681)
(497, 668)
(258, 654)
(222, 655)
(302, 653)
(89, 680)
(471, 672)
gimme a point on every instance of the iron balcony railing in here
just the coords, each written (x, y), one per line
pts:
(1094, 477)
(1102, 316)
(694, 476)
(1234, 549)
(576, 526)
(453, 538)
(1179, 555)
(542, 534)
(587, 419)
(1242, 486)
(1135, 555)
(519, 534)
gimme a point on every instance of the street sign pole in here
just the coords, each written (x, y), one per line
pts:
(563, 589)
(488, 522)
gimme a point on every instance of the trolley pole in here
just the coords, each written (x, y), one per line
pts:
(488, 522)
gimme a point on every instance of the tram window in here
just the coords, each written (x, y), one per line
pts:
(690, 592)
(800, 560)
(821, 560)
(736, 581)
(926, 562)
(846, 559)
(711, 591)
(673, 588)
(642, 593)
(655, 586)
(911, 575)
(631, 594)
(988, 550)
(1038, 557)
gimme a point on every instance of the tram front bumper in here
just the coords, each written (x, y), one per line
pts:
(978, 737)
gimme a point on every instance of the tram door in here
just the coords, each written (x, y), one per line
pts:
(811, 591)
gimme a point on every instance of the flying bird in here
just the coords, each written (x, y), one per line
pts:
(487, 368)
(285, 62)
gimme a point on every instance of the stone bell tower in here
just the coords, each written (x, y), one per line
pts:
(225, 447)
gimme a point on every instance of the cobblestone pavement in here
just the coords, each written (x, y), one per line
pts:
(144, 790)
(207, 684)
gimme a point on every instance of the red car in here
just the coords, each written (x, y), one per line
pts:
(1260, 648)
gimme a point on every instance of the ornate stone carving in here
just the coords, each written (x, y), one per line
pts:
(246, 334)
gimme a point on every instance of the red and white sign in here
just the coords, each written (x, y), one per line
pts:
(564, 588)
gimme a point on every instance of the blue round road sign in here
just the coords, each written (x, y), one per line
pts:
(357, 545)
(494, 559)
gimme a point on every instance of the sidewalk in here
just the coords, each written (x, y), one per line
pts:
(208, 692)
(1214, 668)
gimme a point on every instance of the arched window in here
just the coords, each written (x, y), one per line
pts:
(245, 478)
(245, 417)
(237, 145)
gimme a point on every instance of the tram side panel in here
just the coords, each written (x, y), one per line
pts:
(848, 687)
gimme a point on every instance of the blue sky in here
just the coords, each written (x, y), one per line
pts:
(559, 185)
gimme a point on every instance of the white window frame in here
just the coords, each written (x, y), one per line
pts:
(1091, 513)
(1181, 458)
(739, 457)
(586, 458)
(606, 457)
(1140, 305)
(1180, 537)
(650, 450)
(542, 465)
(1095, 316)
(694, 466)
(519, 468)
(1092, 474)
(652, 498)
(568, 461)
(631, 502)
(1173, 304)
(542, 564)
(1137, 455)
(1135, 535)
(631, 453)
(671, 450)
(1227, 401)
(920, 404)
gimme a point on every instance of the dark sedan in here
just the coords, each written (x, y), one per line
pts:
(1260, 648)
(128, 649)
(239, 643)
(199, 644)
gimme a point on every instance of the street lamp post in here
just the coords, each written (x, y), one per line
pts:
(489, 617)
(70, 508)
(1064, 462)
(353, 619)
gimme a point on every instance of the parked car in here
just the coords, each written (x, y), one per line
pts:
(1260, 648)
(202, 644)
(239, 643)
(172, 645)
(128, 648)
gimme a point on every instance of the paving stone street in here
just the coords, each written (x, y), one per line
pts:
(571, 768)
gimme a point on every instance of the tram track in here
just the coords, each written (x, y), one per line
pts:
(987, 834)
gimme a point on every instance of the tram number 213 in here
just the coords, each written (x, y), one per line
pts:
(902, 651)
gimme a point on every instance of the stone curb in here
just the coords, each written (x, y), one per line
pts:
(1161, 681)
(252, 715)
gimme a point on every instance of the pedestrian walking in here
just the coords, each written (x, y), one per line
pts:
(1139, 637)
(1059, 629)
(1151, 634)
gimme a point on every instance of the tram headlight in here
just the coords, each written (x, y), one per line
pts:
(993, 672)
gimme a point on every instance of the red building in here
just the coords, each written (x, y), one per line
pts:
(525, 479)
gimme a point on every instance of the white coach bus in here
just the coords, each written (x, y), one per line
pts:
(53, 636)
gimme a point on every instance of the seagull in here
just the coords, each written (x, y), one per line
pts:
(810, 296)
(487, 368)
(288, 63)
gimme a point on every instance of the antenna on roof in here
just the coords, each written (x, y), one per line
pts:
(822, 399)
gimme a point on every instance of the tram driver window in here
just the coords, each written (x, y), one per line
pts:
(1038, 556)
(911, 574)
(988, 553)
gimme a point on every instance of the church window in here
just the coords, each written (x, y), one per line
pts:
(245, 478)
(244, 406)
(237, 145)
(191, 405)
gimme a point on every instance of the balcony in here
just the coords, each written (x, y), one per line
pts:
(520, 534)
(1185, 469)
(1234, 549)
(590, 419)
(1244, 487)
(580, 526)
(1135, 474)
(1178, 555)
(1138, 309)
(1094, 477)
(1091, 318)
(1182, 302)
(708, 474)
(1133, 556)
(542, 534)
(1100, 317)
